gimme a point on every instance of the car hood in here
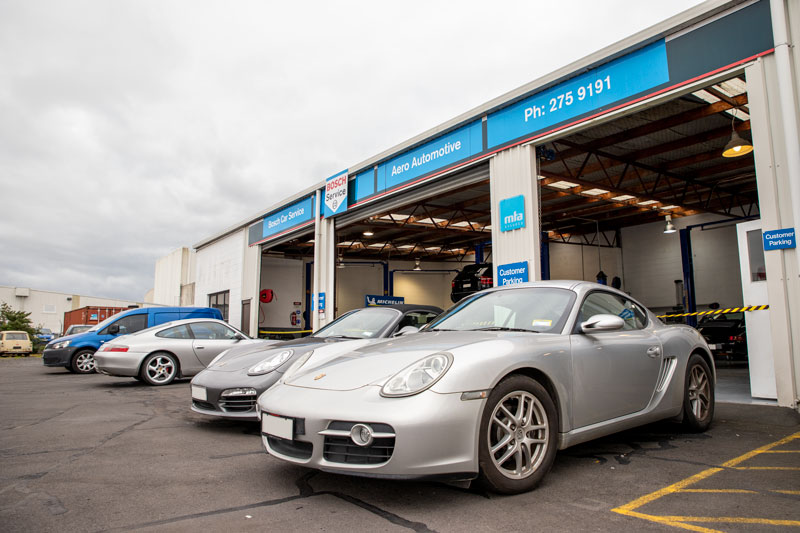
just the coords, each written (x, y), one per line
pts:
(377, 362)
(67, 338)
(244, 357)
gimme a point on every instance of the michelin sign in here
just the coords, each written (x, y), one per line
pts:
(336, 194)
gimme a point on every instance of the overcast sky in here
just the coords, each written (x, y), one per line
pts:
(131, 128)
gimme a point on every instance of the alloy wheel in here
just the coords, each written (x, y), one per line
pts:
(699, 392)
(160, 369)
(518, 435)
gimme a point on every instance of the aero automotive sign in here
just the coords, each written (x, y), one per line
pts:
(336, 194)
(512, 273)
(512, 213)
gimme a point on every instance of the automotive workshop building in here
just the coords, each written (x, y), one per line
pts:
(577, 173)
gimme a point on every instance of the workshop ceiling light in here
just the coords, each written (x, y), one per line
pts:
(737, 146)
(416, 264)
(368, 233)
(669, 228)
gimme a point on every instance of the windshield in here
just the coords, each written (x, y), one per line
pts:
(78, 329)
(360, 324)
(536, 309)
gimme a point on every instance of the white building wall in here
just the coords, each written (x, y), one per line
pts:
(172, 272)
(219, 268)
(572, 261)
(47, 308)
(652, 263)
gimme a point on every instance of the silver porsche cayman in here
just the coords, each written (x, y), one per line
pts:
(491, 389)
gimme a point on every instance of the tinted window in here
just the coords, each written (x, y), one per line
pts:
(605, 303)
(211, 330)
(129, 324)
(178, 332)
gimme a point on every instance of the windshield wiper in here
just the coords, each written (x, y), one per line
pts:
(438, 329)
(340, 337)
(503, 328)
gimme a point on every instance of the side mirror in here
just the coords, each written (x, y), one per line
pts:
(238, 337)
(113, 329)
(407, 330)
(602, 323)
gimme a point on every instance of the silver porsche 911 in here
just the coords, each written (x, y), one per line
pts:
(160, 354)
(492, 388)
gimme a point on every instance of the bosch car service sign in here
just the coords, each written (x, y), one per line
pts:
(336, 194)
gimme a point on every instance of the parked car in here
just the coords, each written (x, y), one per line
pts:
(45, 335)
(472, 278)
(230, 385)
(76, 352)
(491, 388)
(162, 353)
(77, 328)
(726, 335)
(15, 342)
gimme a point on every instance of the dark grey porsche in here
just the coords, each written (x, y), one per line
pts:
(232, 382)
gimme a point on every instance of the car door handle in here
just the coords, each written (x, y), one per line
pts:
(654, 351)
(199, 347)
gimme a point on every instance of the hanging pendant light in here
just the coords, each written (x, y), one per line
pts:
(737, 146)
(670, 227)
(416, 264)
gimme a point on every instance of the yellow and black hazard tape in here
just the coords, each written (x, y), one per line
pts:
(720, 311)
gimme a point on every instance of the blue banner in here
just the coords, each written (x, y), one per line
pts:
(371, 300)
(289, 217)
(320, 302)
(512, 274)
(624, 77)
(512, 213)
(439, 153)
(334, 195)
(779, 239)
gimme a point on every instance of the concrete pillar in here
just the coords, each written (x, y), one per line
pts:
(777, 211)
(514, 172)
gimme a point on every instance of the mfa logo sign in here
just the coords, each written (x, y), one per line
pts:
(512, 273)
(336, 194)
(779, 239)
(512, 213)
(372, 300)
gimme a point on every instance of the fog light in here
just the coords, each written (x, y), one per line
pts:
(249, 391)
(361, 434)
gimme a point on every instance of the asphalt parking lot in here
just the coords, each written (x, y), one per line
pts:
(96, 453)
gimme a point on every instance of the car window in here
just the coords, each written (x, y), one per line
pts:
(360, 324)
(177, 332)
(540, 309)
(129, 324)
(211, 330)
(416, 319)
(16, 336)
(605, 303)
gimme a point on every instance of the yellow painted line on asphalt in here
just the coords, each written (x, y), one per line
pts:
(720, 491)
(797, 468)
(793, 492)
(630, 509)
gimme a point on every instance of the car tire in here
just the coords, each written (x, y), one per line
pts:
(83, 362)
(698, 395)
(159, 368)
(518, 436)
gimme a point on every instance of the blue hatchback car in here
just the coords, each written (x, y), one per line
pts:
(76, 352)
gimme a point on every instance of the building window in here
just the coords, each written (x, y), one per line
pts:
(220, 300)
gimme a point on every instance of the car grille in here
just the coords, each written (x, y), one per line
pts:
(203, 405)
(291, 448)
(239, 404)
(339, 448)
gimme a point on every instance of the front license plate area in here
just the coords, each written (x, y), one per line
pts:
(277, 426)
(199, 393)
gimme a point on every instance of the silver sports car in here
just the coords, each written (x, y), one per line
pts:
(229, 387)
(159, 354)
(492, 388)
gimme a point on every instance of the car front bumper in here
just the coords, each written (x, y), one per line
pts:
(435, 435)
(59, 357)
(208, 386)
(124, 364)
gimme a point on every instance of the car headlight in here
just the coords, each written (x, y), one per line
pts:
(220, 356)
(419, 376)
(59, 345)
(296, 366)
(270, 363)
